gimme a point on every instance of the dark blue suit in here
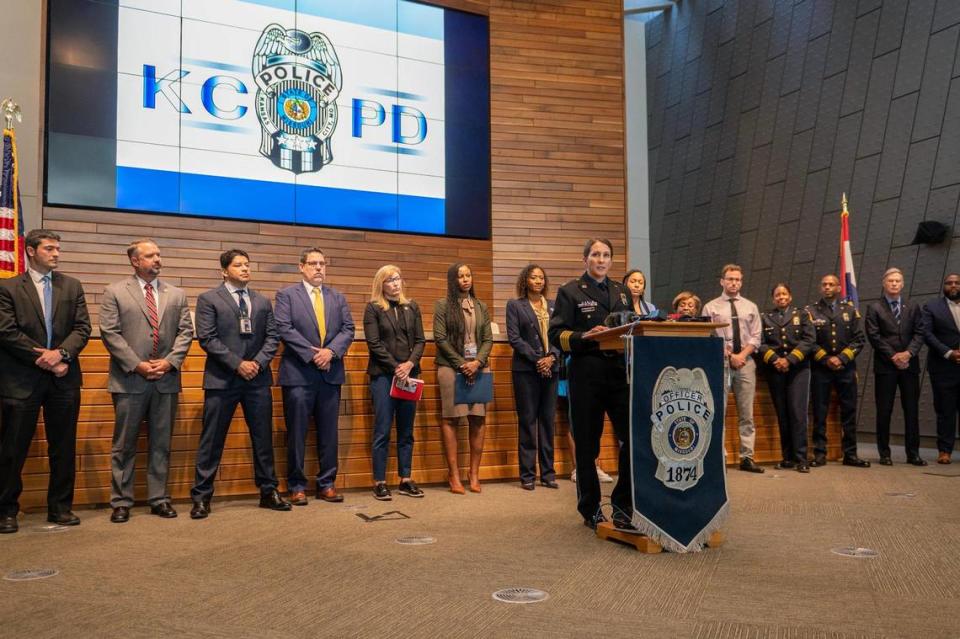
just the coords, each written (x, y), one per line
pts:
(535, 395)
(941, 335)
(218, 331)
(307, 390)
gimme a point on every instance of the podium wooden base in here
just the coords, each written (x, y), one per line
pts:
(644, 544)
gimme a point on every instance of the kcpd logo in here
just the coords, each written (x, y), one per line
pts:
(298, 80)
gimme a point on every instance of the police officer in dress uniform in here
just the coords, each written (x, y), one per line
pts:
(788, 338)
(839, 340)
(597, 379)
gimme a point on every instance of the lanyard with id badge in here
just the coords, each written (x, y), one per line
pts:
(470, 351)
(246, 324)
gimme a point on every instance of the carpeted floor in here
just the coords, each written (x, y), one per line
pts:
(321, 571)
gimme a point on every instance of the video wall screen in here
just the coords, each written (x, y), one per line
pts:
(370, 114)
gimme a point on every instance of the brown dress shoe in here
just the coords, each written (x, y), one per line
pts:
(298, 498)
(943, 457)
(330, 494)
(455, 486)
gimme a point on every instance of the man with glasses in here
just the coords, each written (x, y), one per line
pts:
(316, 327)
(741, 338)
(235, 327)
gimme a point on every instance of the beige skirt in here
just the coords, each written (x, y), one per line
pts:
(446, 379)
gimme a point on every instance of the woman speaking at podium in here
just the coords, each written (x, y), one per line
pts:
(597, 379)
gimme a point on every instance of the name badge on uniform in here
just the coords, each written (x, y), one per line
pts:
(796, 320)
(470, 351)
(246, 326)
(846, 317)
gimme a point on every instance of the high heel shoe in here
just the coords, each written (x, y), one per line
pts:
(474, 484)
(455, 486)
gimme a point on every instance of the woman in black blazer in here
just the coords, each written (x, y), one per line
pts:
(534, 367)
(394, 332)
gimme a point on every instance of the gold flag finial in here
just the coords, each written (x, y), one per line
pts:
(11, 112)
(843, 201)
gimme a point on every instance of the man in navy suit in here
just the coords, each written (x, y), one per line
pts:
(43, 327)
(893, 327)
(941, 331)
(235, 327)
(316, 327)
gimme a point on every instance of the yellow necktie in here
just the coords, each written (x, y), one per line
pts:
(318, 310)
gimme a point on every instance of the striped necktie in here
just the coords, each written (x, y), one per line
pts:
(895, 307)
(153, 317)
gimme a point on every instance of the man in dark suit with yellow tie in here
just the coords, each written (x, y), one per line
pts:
(316, 327)
(236, 328)
(43, 327)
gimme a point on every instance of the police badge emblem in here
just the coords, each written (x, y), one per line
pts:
(681, 425)
(298, 80)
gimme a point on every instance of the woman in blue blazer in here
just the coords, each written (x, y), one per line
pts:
(534, 368)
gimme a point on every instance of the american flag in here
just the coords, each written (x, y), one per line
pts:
(848, 279)
(11, 223)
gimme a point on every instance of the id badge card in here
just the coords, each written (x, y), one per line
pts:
(246, 326)
(470, 351)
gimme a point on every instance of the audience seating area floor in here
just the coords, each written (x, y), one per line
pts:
(321, 571)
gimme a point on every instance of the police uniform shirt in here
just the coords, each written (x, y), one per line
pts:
(838, 330)
(582, 304)
(788, 333)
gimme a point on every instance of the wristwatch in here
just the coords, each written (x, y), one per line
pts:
(64, 355)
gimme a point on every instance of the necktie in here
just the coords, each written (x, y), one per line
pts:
(48, 308)
(154, 319)
(244, 311)
(318, 310)
(735, 322)
(895, 307)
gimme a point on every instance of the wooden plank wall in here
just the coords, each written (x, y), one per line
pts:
(558, 177)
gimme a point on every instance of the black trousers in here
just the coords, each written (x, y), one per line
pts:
(946, 393)
(822, 380)
(219, 407)
(790, 393)
(536, 400)
(887, 382)
(598, 385)
(19, 424)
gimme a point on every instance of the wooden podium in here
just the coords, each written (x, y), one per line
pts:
(613, 339)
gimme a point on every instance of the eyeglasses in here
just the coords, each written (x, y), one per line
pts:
(315, 264)
(393, 280)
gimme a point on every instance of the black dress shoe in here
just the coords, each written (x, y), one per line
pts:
(591, 522)
(819, 460)
(120, 515)
(803, 467)
(624, 525)
(200, 509)
(785, 465)
(274, 501)
(750, 466)
(916, 461)
(549, 483)
(9, 525)
(886, 461)
(856, 462)
(527, 485)
(163, 509)
(65, 518)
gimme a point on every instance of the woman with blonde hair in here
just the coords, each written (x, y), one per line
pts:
(393, 328)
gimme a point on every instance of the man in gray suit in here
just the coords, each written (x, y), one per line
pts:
(145, 325)
(235, 326)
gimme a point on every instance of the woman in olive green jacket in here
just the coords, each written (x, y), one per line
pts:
(462, 334)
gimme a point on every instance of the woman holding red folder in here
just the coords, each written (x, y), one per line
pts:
(393, 328)
(462, 333)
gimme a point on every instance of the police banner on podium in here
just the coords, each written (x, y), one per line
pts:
(676, 438)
